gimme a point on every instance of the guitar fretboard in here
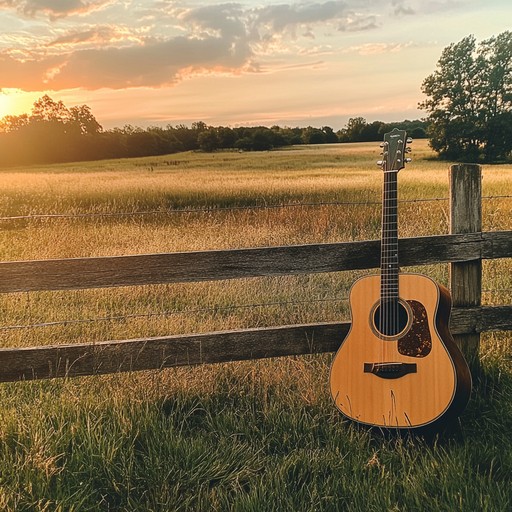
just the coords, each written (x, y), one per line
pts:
(389, 239)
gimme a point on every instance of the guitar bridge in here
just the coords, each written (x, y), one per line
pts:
(390, 370)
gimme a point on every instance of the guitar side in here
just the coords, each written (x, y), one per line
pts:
(415, 380)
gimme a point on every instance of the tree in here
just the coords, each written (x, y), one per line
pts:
(354, 129)
(14, 123)
(262, 139)
(497, 94)
(83, 121)
(330, 136)
(208, 140)
(226, 137)
(46, 109)
(313, 136)
(469, 99)
(51, 133)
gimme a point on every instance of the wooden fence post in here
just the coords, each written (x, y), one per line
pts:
(466, 277)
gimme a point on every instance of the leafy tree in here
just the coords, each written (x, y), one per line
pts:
(330, 136)
(208, 140)
(244, 144)
(46, 109)
(83, 121)
(353, 131)
(54, 133)
(418, 133)
(262, 139)
(14, 123)
(226, 137)
(469, 99)
(313, 136)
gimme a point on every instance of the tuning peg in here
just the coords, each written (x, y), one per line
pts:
(384, 144)
(409, 140)
(380, 163)
(408, 150)
(408, 160)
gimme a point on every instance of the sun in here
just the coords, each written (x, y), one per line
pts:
(14, 102)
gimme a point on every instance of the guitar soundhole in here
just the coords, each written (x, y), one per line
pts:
(391, 318)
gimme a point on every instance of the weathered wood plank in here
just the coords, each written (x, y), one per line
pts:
(495, 318)
(81, 273)
(163, 352)
(473, 320)
(155, 353)
(466, 217)
(497, 244)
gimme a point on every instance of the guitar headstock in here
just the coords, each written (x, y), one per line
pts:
(394, 149)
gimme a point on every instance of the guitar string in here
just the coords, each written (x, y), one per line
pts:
(394, 248)
(384, 306)
(389, 306)
(381, 301)
(384, 272)
(394, 270)
(391, 245)
(384, 302)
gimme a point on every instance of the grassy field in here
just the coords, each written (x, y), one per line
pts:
(248, 436)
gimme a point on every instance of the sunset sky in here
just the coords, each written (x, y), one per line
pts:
(295, 63)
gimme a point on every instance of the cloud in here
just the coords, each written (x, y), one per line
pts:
(379, 48)
(153, 65)
(400, 8)
(427, 7)
(288, 16)
(227, 20)
(358, 23)
(97, 36)
(19, 74)
(93, 35)
(224, 37)
(53, 8)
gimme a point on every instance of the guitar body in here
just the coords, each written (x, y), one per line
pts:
(416, 379)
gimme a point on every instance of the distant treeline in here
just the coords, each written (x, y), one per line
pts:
(53, 133)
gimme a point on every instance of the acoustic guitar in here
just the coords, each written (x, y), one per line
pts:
(399, 367)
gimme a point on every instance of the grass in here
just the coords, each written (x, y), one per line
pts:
(248, 436)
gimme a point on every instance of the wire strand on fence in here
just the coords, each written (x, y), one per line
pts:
(216, 309)
(220, 209)
(120, 318)
(206, 209)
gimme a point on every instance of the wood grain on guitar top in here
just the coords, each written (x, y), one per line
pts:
(407, 389)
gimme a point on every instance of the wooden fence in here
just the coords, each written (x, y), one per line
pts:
(464, 249)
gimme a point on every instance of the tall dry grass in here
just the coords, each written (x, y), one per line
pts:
(258, 435)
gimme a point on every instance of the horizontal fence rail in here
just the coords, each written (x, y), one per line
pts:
(464, 249)
(215, 347)
(70, 360)
(82, 273)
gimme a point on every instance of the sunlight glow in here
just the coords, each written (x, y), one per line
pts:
(14, 102)
(4, 105)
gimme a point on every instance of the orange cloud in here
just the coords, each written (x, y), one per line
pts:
(54, 9)
(226, 37)
(153, 64)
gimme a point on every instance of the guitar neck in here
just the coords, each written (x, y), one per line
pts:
(389, 239)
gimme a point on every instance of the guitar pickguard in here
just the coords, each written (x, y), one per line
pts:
(417, 342)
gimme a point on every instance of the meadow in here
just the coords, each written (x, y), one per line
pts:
(245, 436)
